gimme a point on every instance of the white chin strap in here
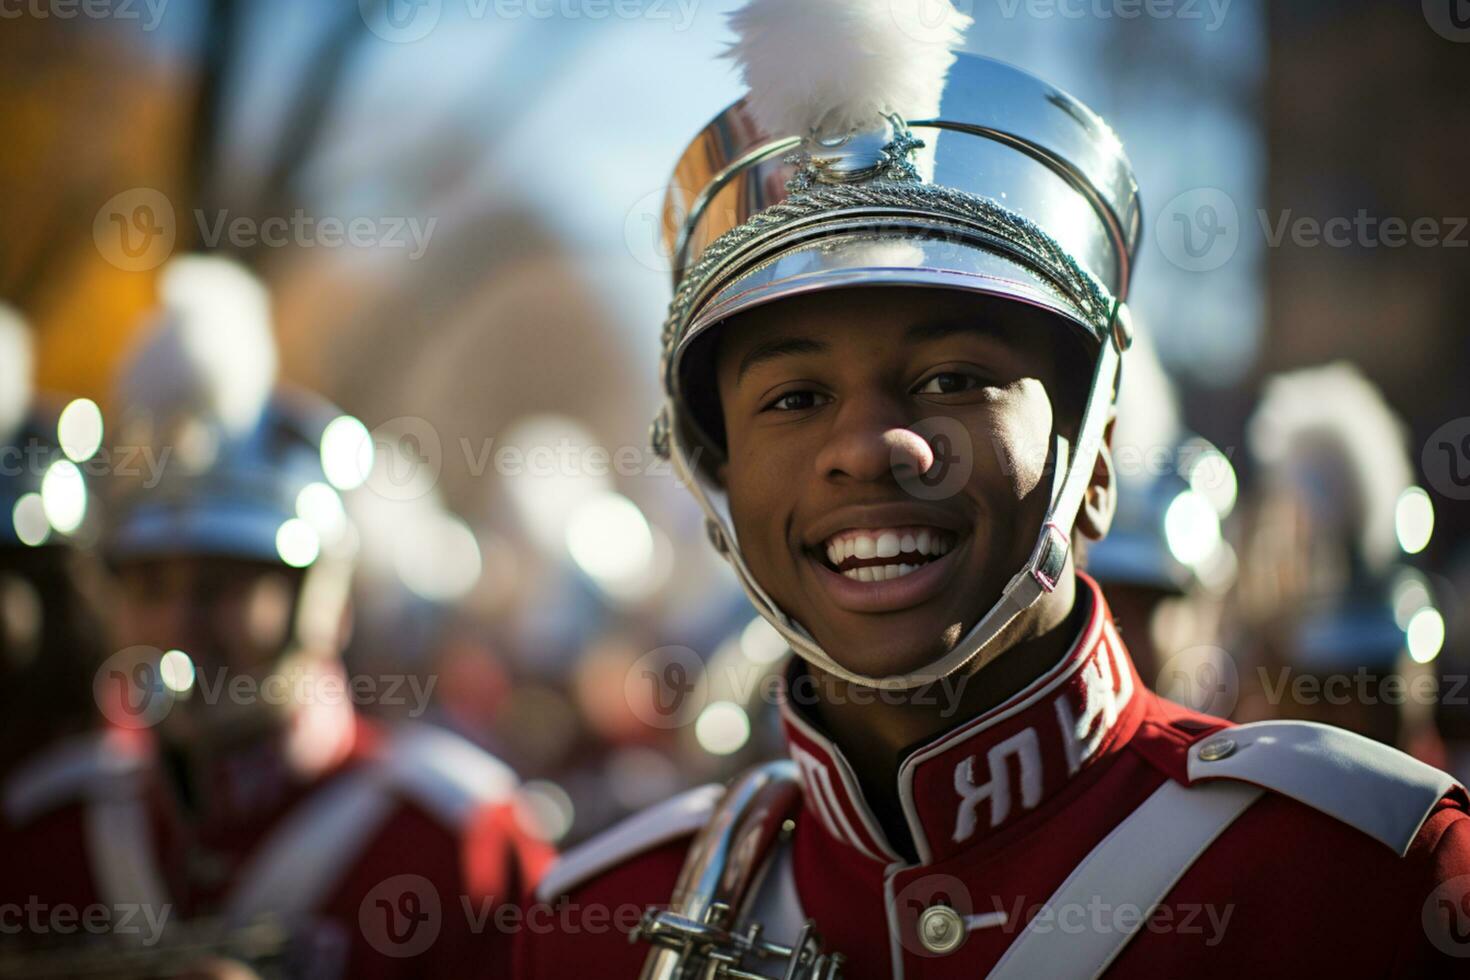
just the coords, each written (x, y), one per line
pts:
(1039, 576)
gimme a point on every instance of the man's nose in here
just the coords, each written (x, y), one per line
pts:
(873, 441)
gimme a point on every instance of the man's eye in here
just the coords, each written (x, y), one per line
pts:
(948, 383)
(795, 401)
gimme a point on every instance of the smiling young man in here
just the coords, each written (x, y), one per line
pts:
(819, 397)
(899, 317)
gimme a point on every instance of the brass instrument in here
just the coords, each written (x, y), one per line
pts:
(704, 933)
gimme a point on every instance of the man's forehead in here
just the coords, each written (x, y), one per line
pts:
(807, 327)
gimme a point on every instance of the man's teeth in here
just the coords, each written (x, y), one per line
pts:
(886, 543)
(879, 573)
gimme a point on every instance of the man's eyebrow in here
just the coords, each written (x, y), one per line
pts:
(779, 347)
(940, 329)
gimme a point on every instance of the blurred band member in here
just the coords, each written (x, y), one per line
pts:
(51, 639)
(1329, 596)
(238, 789)
(1164, 564)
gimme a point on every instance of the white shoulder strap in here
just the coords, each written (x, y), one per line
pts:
(444, 773)
(1173, 827)
(121, 854)
(103, 772)
(293, 870)
(1377, 789)
(75, 769)
(659, 824)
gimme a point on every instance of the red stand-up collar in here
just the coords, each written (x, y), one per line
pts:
(997, 768)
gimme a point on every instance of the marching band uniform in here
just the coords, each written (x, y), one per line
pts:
(1035, 834)
(306, 841)
(390, 862)
(1335, 851)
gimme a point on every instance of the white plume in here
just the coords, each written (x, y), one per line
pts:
(16, 371)
(836, 65)
(210, 352)
(1333, 423)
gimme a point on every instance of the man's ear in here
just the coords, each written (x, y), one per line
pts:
(1100, 502)
(720, 474)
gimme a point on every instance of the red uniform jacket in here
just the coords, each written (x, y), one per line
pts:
(393, 862)
(1003, 808)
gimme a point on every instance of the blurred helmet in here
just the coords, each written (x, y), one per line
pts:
(869, 154)
(1324, 545)
(1173, 489)
(225, 462)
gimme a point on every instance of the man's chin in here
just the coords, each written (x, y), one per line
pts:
(871, 654)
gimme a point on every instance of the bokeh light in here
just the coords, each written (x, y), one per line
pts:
(347, 452)
(79, 430)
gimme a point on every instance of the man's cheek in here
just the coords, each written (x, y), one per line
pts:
(754, 515)
(1015, 457)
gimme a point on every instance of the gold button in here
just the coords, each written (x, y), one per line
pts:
(941, 930)
(1217, 749)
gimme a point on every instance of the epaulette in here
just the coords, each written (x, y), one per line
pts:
(659, 824)
(83, 766)
(443, 773)
(1377, 789)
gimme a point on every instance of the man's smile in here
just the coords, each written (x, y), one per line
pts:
(879, 554)
(878, 559)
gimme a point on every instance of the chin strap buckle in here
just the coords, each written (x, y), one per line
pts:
(1050, 557)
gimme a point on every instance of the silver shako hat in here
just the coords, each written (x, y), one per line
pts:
(246, 467)
(869, 153)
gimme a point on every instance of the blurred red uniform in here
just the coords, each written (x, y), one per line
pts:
(1003, 809)
(388, 863)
